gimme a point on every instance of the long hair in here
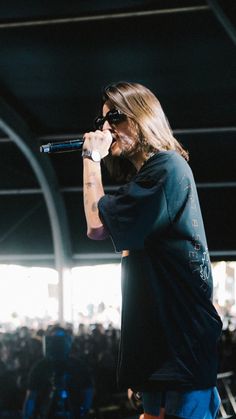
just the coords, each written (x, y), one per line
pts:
(145, 113)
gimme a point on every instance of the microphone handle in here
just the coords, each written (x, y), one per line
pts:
(72, 145)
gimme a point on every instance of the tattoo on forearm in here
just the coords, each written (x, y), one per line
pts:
(94, 206)
(90, 184)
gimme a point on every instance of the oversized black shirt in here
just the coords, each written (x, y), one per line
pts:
(170, 328)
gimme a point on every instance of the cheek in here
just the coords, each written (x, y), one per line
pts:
(127, 142)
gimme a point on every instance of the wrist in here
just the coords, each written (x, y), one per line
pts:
(93, 155)
(91, 169)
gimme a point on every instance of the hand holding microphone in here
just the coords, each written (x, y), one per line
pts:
(98, 140)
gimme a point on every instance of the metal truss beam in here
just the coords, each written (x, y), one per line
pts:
(105, 16)
(50, 257)
(223, 19)
(16, 129)
(110, 188)
(69, 136)
(91, 257)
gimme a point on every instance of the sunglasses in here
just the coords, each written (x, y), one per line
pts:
(112, 117)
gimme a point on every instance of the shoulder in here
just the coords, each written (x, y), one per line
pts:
(163, 164)
(168, 159)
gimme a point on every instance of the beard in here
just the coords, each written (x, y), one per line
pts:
(129, 146)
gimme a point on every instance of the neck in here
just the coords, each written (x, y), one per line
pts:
(140, 158)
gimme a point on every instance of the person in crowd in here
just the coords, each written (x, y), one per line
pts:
(170, 328)
(59, 385)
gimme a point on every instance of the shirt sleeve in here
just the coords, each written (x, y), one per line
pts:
(134, 211)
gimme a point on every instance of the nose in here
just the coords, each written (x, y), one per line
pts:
(106, 125)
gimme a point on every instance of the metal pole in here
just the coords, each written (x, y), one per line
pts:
(107, 16)
(16, 129)
(223, 19)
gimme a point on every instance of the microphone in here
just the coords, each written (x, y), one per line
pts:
(61, 147)
(71, 145)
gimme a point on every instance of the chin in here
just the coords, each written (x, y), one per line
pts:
(115, 150)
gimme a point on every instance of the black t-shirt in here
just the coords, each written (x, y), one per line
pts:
(170, 328)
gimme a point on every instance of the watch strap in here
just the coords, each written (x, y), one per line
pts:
(87, 153)
(92, 155)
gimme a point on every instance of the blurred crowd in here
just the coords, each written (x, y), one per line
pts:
(20, 350)
(95, 346)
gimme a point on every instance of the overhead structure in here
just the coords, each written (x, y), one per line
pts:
(15, 128)
(54, 62)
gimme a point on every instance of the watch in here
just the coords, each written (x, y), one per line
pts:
(93, 155)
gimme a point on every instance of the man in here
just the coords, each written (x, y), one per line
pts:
(60, 386)
(170, 328)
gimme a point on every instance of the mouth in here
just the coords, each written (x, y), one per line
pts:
(114, 140)
(115, 148)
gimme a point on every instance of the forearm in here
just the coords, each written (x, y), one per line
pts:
(93, 191)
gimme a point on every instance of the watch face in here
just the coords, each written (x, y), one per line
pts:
(96, 156)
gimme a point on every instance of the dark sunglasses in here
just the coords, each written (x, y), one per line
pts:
(113, 117)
